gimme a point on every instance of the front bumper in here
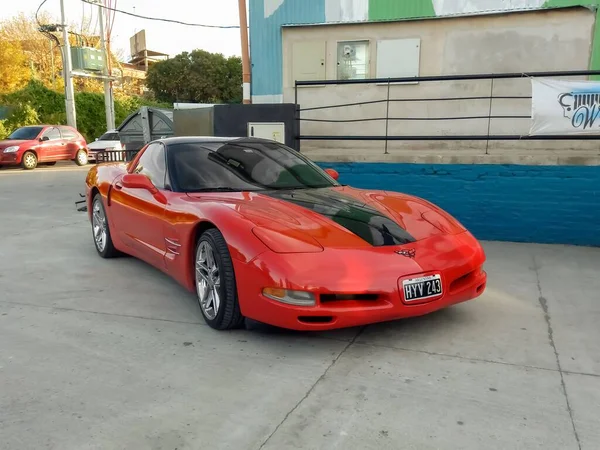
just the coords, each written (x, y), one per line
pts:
(373, 277)
(10, 159)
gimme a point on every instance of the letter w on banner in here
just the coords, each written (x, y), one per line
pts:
(564, 107)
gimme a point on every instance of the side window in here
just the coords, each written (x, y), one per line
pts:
(152, 164)
(67, 133)
(52, 134)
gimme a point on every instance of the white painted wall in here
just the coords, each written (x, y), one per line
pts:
(346, 10)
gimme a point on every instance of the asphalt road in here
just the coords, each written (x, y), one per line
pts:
(98, 354)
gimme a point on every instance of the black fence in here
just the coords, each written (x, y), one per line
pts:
(387, 100)
(115, 156)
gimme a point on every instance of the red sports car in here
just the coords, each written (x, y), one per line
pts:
(259, 231)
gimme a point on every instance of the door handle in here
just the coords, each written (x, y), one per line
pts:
(118, 186)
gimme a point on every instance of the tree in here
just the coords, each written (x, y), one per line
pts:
(13, 66)
(199, 77)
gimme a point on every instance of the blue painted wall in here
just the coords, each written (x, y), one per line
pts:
(266, 39)
(542, 204)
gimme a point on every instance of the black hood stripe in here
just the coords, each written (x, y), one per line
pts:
(357, 217)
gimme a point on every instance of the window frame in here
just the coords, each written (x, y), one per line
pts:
(367, 57)
(166, 185)
(47, 130)
(64, 129)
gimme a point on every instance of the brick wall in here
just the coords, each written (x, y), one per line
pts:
(542, 204)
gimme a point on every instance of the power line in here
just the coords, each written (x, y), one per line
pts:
(162, 20)
(38, 12)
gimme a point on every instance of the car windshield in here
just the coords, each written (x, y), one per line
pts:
(109, 137)
(242, 166)
(25, 133)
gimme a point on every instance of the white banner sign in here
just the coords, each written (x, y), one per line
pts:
(565, 107)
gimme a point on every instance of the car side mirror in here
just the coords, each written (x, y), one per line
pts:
(96, 139)
(44, 138)
(139, 181)
(332, 173)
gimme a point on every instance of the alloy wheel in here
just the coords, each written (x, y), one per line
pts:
(99, 225)
(208, 280)
(29, 161)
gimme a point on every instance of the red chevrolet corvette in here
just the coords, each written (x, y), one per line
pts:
(257, 230)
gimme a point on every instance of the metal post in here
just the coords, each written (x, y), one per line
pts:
(69, 93)
(109, 104)
(387, 115)
(487, 142)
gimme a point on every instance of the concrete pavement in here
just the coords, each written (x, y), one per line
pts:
(98, 354)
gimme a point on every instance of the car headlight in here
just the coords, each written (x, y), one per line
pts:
(12, 149)
(298, 298)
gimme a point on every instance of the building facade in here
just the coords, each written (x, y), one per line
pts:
(270, 21)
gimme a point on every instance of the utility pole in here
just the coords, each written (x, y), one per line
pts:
(109, 104)
(245, 52)
(69, 93)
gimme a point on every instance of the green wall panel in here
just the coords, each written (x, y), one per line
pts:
(400, 9)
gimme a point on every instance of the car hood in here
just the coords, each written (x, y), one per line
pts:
(10, 143)
(344, 216)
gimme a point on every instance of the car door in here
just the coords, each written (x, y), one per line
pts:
(137, 214)
(51, 146)
(70, 147)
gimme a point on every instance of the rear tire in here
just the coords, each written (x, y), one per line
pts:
(29, 161)
(215, 282)
(101, 231)
(81, 158)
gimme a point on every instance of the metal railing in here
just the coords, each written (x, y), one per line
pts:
(388, 82)
(115, 156)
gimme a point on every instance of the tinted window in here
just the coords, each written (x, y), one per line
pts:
(52, 134)
(242, 166)
(67, 133)
(25, 133)
(109, 137)
(152, 164)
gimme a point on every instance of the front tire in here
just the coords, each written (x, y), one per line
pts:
(29, 161)
(215, 282)
(81, 158)
(101, 231)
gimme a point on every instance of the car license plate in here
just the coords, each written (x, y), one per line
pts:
(422, 288)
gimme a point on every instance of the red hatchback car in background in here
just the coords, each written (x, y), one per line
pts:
(35, 144)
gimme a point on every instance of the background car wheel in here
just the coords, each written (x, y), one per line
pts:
(29, 161)
(215, 282)
(100, 230)
(81, 158)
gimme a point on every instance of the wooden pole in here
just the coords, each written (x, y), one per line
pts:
(245, 52)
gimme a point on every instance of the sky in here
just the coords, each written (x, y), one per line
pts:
(160, 36)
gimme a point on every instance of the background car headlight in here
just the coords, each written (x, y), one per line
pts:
(12, 149)
(298, 298)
